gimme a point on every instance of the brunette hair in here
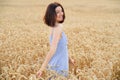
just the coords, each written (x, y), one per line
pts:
(50, 15)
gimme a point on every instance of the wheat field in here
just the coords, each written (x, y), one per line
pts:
(92, 28)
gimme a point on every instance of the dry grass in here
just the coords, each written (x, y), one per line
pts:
(92, 28)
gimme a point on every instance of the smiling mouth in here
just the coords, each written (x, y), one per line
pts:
(61, 17)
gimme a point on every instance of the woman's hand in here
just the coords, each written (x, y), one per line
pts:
(39, 73)
(73, 66)
(72, 61)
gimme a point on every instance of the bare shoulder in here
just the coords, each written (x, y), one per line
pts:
(58, 29)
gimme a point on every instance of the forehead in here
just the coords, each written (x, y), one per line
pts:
(58, 8)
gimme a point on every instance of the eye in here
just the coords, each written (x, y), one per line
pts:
(57, 12)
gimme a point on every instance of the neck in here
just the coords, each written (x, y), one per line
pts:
(57, 24)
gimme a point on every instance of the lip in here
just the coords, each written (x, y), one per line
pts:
(61, 17)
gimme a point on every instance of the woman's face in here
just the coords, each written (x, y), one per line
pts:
(59, 14)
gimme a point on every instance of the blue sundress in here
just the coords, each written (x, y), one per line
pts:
(59, 61)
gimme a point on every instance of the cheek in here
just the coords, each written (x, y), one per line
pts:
(58, 15)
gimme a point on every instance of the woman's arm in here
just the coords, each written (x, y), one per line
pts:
(56, 37)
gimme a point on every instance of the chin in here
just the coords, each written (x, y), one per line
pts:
(61, 20)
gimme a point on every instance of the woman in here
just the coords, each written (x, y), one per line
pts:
(57, 58)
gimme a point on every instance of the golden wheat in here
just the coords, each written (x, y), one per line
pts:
(92, 28)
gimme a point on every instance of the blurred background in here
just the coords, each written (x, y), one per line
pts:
(92, 28)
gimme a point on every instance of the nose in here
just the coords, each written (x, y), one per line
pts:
(61, 13)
